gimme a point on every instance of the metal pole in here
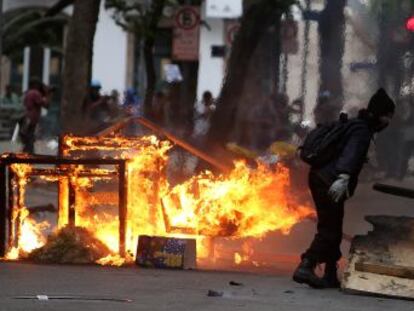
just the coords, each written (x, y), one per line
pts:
(46, 65)
(26, 69)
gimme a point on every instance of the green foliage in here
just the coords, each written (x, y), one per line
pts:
(137, 17)
(29, 27)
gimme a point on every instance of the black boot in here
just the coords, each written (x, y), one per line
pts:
(330, 277)
(305, 273)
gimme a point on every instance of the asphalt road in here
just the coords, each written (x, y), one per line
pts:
(187, 290)
(169, 290)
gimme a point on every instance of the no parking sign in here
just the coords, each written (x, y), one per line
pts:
(187, 17)
(186, 33)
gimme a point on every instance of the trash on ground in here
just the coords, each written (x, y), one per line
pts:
(213, 293)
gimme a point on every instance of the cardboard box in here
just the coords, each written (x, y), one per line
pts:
(166, 253)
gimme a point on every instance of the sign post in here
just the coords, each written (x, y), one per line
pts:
(186, 34)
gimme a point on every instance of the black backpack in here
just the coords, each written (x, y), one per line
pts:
(324, 143)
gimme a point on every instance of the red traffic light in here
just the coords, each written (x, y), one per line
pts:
(409, 25)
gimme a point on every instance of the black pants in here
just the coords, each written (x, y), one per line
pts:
(325, 246)
(27, 135)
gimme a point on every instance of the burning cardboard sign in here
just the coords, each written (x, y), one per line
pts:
(162, 252)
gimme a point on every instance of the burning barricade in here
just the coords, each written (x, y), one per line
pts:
(240, 203)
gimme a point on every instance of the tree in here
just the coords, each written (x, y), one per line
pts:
(331, 43)
(258, 17)
(391, 17)
(78, 64)
(142, 20)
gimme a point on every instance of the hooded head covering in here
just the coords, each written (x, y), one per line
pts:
(381, 104)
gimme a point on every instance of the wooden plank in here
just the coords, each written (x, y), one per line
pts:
(388, 270)
(394, 190)
(186, 146)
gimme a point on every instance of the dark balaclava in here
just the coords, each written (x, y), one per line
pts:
(381, 104)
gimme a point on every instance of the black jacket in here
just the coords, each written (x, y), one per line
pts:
(353, 154)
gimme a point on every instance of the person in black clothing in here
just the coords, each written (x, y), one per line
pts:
(332, 184)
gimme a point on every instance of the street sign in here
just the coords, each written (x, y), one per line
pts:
(224, 8)
(231, 29)
(186, 34)
(187, 17)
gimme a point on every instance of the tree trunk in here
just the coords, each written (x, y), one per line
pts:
(257, 122)
(332, 43)
(256, 21)
(150, 75)
(188, 94)
(78, 64)
(157, 8)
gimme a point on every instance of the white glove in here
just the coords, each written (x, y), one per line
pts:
(339, 188)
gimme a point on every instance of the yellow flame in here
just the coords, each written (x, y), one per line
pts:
(12, 254)
(243, 203)
(237, 258)
(111, 260)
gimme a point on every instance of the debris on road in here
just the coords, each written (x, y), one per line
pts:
(85, 298)
(213, 293)
(233, 283)
(70, 245)
(382, 262)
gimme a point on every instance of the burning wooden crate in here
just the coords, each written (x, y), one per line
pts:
(15, 173)
(382, 262)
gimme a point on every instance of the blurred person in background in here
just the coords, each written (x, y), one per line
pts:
(283, 129)
(10, 97)
(406, 117)
(35, 98)
(95, 107)
(202, 114)
(114, 97)
(325, 109)
(132, 102)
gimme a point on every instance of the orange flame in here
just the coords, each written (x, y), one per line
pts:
(246, 202)
(27, 233)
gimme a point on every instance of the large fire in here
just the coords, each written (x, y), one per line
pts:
(245, 202)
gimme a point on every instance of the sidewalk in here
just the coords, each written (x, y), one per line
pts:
(41, 147)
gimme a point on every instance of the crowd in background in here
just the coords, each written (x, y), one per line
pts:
(279, 119)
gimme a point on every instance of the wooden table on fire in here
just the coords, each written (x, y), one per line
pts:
(6, 191)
